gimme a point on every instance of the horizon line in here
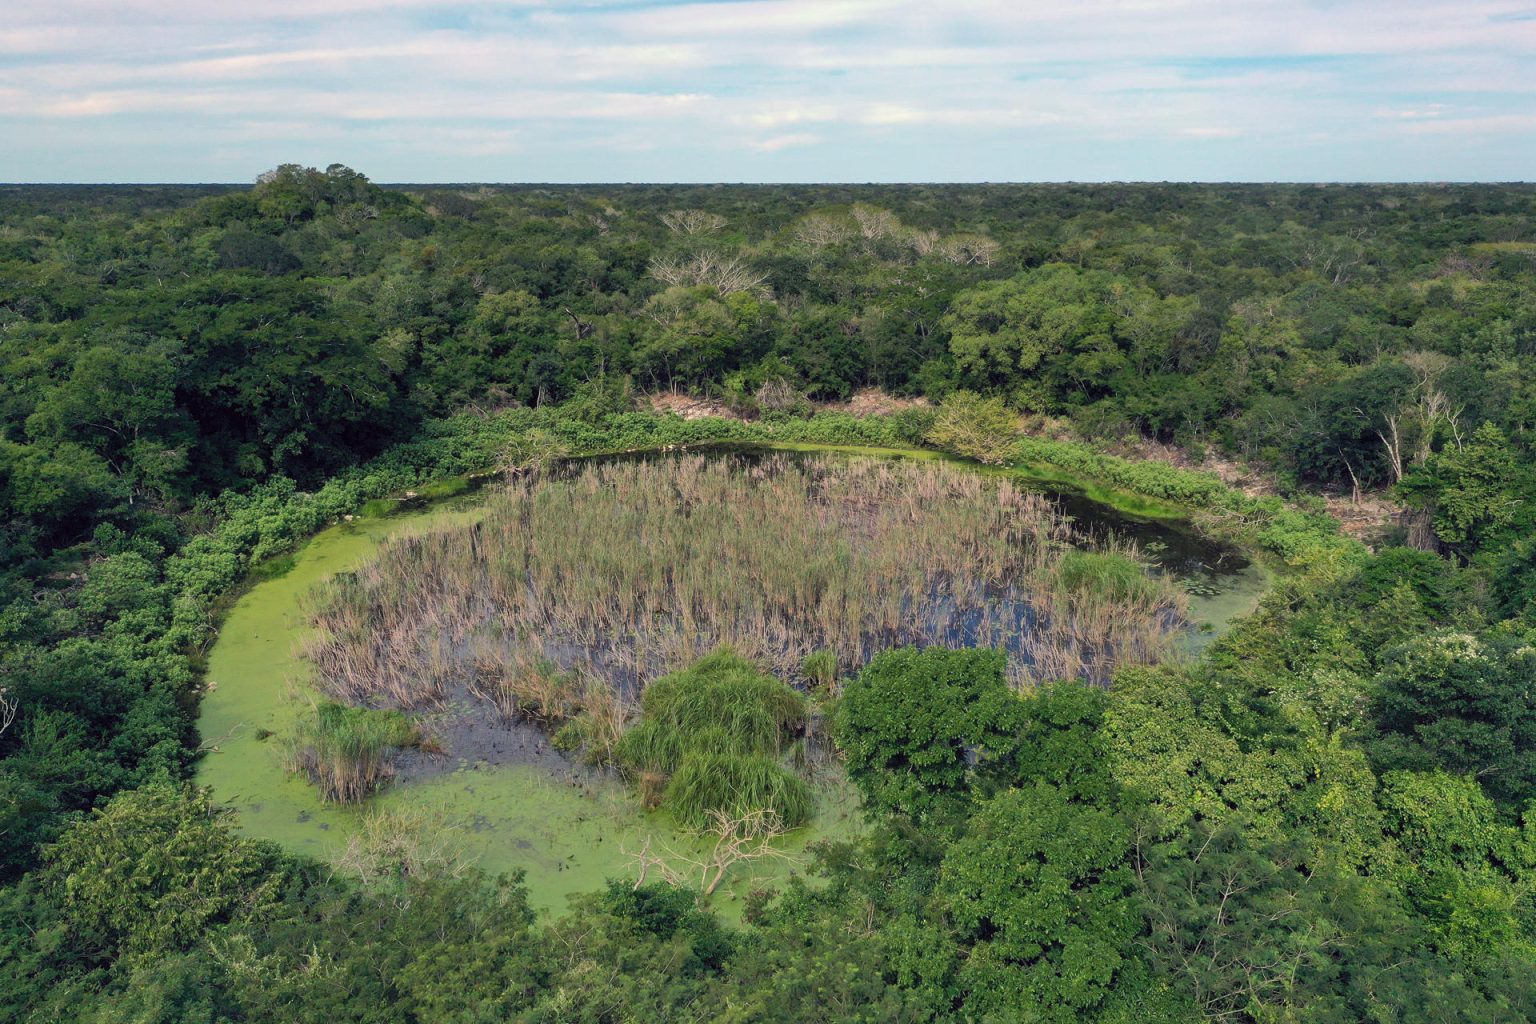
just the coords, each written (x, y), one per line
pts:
(593, 183)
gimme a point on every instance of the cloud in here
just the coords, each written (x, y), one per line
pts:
(822, 88)
(774, 143)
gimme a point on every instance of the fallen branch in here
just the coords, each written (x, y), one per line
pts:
(739, 839)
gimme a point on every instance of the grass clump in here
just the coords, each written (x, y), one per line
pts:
(820, 670)
(711, 738)
(347, 752)
(1105, 575)
(737, 785)
(723, 701)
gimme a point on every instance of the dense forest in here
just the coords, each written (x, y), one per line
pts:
(1325, 817)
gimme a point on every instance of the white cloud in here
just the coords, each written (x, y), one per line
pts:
(774, 143)
(789, 77)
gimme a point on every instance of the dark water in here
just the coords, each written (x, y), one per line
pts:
(1174, 547)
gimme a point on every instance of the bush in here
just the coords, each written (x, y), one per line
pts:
(723, 703)
(975, 427)
(919, 728)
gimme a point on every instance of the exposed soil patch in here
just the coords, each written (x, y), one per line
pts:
(875, 402)
(689, 407)
(864, 402)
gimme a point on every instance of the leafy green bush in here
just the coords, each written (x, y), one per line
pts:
(722, 703)
(978, 428)
(919, 728)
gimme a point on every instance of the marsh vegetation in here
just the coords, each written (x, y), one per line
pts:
(347, 752)
(711, 742)
(587, 580)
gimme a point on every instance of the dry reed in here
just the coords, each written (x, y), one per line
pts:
(583, 581)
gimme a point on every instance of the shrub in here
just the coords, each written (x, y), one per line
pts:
(975, 427)
(919, 728)
(723, 702)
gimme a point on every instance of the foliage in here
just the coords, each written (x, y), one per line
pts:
(1473, 492)
(151, 871)
(1041, 889)
(1453, 701)
(923, 731)
(1319, 819)
(975, 427)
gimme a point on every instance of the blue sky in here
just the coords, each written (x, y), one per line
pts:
(770, 90)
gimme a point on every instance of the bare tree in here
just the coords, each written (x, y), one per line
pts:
(693, 222)
(1409, 434)
(724, 272)
(873, 222)
(584, 328)
(738, 839)
(1335, 257)
(1392, 441)
(8, 706)
(1355, 489)
(923, 241)
(1434, 405)
(968, 249)
(820, 230)
(392, 846)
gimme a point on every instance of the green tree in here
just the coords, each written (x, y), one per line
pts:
(1059, 335)
(154, 869)
(119, 401)
(1041, 890)
(921, 731)
(1472, 491)
(1453, 701)
(1465, 871)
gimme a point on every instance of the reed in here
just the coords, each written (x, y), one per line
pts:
(585, 580)
(622, 571)
(346, 752)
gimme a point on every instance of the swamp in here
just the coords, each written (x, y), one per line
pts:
(466, 671)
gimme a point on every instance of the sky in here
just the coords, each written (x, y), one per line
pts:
(770, 90)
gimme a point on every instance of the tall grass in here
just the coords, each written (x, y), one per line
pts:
(597, 575)
(736, 784)
(711, 739)
(723, 703)
(347, 752)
